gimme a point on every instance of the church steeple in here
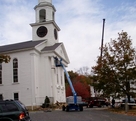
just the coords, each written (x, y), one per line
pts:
(45, 11)
(45, 26)
(45, 1)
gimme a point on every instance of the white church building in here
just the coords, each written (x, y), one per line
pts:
(31, 74)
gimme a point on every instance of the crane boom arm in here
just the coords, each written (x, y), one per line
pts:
(58, 64)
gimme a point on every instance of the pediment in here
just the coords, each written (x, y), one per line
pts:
(60, 51)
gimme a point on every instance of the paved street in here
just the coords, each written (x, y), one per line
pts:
(89, 114)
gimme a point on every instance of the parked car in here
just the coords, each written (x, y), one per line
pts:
(126, 100)
(13, 110)
(130, 104)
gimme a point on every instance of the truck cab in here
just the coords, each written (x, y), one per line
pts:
(96, 101)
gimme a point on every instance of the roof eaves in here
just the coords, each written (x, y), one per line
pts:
(19, 46)
(51, 48)
(41, 43)
(17, 50)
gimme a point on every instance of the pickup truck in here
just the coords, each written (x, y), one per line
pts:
(95, 101)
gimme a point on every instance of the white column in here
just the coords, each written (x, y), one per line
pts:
(53, 80)
(32, 80)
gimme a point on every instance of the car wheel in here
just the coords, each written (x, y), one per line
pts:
(67, 108)
(63, 108)
(81, 108)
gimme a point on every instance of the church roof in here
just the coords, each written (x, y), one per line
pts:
(50, 48)
(18, 46)
(27, 45)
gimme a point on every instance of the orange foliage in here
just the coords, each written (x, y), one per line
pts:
(80, 88)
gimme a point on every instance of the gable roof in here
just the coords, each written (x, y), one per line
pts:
(50, 48)
(27, 45)
(34, 45)
(59, 50)
(18, 46)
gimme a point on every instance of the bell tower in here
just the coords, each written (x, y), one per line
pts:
(49, 1)
(45, 27)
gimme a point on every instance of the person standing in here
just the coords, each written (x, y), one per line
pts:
(113, 103)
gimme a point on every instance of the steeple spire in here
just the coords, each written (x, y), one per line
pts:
(45, 1)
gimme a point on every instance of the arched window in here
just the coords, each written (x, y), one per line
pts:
(42, 16)
(53, 16)
(1, 97)
(15, 70)
(0, 73)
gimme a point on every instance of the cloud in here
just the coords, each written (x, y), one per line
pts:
(15, 22)
(80, 22)
(81, 28)
(10, 1)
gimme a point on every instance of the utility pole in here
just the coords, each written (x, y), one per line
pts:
(102, 39)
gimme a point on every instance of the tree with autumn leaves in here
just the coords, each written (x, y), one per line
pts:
(115, 72)
(80, 83)
(4, 58)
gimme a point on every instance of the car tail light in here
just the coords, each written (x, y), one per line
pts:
(21, 116)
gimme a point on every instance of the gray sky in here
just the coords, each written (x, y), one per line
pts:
(80, 22)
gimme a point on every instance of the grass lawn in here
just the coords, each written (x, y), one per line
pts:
(122, 111)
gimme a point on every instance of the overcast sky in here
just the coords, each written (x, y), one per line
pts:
(80, 22)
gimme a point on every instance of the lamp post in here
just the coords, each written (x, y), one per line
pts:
(102, 39)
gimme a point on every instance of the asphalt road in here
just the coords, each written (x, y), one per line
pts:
(89, 114)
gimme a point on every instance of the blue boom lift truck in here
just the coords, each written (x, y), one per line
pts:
(73, 102)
